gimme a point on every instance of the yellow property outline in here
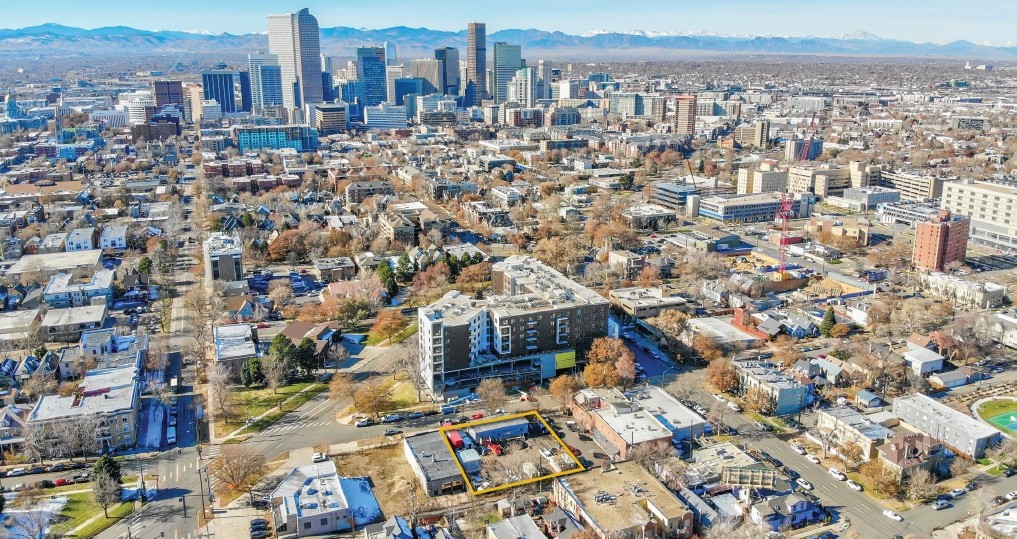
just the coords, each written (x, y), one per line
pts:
(494, 419)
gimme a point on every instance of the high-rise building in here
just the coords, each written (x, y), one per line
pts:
(266, 80)
(544, 79)
(218, 85)
(294, 39)
(448, 59)
(507, 60)
(244, 80)
(330, 118)
(392, 74)
(476, 64)
(940, 241)
(429, 70)
(168, 92)
(391, 57)
(522, 88)
(372, 72)
(685, 115)
(803, 149)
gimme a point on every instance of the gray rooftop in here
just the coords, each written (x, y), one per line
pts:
(433, 456)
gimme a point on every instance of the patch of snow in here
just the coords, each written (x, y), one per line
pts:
(28, 523)
(153, 426)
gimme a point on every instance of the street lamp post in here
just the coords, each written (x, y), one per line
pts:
(663, 374)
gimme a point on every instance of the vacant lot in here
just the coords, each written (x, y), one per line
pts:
(394, 482)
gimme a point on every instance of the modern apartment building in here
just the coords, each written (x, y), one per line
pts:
(670, 194)
(527, 331)
(223, 258)
(940, 241)
(802, 150)
(756, 135)
(787, 395)
(992, 208)
(276, 137)
(959, 430)
(357, 192)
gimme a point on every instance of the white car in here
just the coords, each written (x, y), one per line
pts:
(798, 449)
(734, 407)
(1012, 495)
(837, 474)
(720, 398)
(890, 514)
(854, 485)
(804, 484)
(812, 459)
(319, 457)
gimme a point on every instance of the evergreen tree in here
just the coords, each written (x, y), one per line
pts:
(145, 265)
(247, 220)
(478, 258)
(404, 269)
(251, 373)
(109, 467)
(829, 319)
(387, 277)
(306, 355)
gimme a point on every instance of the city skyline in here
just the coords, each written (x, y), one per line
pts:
(926, 23)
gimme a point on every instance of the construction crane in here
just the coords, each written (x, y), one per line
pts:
(784, 218)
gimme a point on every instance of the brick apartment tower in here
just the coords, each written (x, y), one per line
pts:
(685, 115)
(940, 241)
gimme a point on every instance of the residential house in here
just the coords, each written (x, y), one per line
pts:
(868, 399)
(397, 228)
(789, 511)
(13, 419)
(923, 361)
(327, 337)
(80, 239)
(17, 326)
(243, 308)
(113, 237)
(359, 191)
(516, 527)
(906, 453)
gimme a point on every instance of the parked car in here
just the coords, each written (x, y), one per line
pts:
(812, 458)
(854, 485)
(890, 514)
(415, 415)
(763, 426)
(957, 493)
(1011, 496)
(798, 449)
(16, 472)
(45, 483)
(260, 534)
(365, 422)
(37, 469)
(804, 484)
(940, 504)
(1009, 472)
(837, 474)
(259, 521)
(392, 432)
(575, 451)
(61, 481)
(56, 468)
(319, 457)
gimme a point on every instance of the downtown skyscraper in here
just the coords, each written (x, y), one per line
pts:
(476, 64)
(507, 60)
(448, 57)
(294, 39)
(373, 73)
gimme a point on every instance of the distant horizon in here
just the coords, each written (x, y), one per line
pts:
(906, 20)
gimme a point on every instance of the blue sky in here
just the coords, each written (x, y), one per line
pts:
(914, 20)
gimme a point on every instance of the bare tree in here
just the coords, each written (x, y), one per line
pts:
(682, 388)
(718, 415)
(342, 387)
(920, 486)
(106, 491)
(220, 390)
(238, 467)
(646, 455)
(35, 446)
(492, 392)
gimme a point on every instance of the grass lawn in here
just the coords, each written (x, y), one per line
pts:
(81, 507)
(1002, 409)
(276, 414)
(407, 332)
(252, 402)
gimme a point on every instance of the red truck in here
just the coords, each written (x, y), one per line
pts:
(455, 439)
(494, 448)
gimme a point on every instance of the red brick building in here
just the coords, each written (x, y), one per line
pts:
(940, 241)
